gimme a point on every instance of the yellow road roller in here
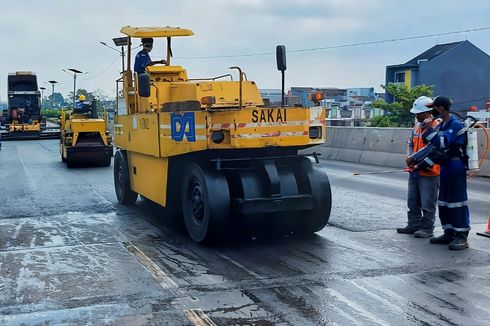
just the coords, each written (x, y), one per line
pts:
(209, 150)
(84, 137)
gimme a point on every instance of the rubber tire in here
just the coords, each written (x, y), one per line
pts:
(122, 184)
(316, 219)
(212, 222)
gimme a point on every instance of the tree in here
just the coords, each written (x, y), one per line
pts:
(55, 100)
(100, 95)
(382, 121)
(80, 91)
(397, 114)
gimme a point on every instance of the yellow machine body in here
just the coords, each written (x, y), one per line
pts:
(84, 140)
(16, 126)
(209, 122)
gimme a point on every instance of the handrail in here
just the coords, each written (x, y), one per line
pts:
(214, 78)
(241, 82)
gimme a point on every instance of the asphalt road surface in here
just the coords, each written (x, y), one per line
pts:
(69, 254)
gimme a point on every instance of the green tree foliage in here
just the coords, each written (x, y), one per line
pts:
(80, 91)
(382, 121)
(398, 113)
(50, 113)
(100, 95)
(55, 100)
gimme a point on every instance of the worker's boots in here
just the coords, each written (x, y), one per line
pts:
(445, 239)
(407, 230)
(460, 241)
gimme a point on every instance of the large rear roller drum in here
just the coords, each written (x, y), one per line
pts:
(205, 203)
(105, 161)
(122, 184)
(70, 162)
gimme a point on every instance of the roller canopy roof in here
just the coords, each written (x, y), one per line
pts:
(141, 32)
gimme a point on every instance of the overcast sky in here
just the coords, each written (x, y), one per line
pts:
(50, 35)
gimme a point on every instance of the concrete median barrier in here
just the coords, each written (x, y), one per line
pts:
(379, 146)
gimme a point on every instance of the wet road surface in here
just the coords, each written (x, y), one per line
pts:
(69, 254)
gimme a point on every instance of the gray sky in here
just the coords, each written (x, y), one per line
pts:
(47, 36)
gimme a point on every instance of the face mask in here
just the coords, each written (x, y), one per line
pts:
(436, 114)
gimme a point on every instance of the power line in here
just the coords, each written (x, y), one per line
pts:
(102, 71)
(342, 45)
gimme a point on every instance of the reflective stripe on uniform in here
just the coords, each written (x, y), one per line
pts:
(442, 142)
(430, 136)
(462, 131)
(429, 161)
(452, 205)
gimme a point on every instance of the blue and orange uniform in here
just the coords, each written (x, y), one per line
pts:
(423, 185)
(453, 198)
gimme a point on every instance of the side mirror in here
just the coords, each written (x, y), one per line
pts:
(144, 85)
(281, 57)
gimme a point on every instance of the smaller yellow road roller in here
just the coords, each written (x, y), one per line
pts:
(84, 138)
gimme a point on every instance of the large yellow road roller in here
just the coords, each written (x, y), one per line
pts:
(209, 150)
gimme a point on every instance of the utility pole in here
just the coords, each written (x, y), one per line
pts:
(42, 95)
(118, 41)
(75, 72)
(52, 82)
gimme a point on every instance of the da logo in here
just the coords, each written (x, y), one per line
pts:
(183, 125)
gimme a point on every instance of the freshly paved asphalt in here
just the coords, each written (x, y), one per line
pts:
(69, 254)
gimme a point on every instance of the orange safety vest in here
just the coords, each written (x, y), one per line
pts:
(418, 144)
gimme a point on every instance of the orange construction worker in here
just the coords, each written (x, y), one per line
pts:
(423, 184)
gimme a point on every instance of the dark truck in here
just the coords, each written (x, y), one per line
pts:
(22, 119)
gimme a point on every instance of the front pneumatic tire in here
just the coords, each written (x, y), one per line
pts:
(205, 203)
(122, 184)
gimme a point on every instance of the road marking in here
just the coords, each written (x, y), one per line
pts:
(196, 316)
(385, 302)
(252, 273)
(165, 281)
(357, 308)
(199, 318)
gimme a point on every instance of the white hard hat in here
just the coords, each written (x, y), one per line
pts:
(420, 105)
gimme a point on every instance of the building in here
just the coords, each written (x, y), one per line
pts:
(457, 70)
(362, 91)
(349, 106)
(272, 96)
(329, 93)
